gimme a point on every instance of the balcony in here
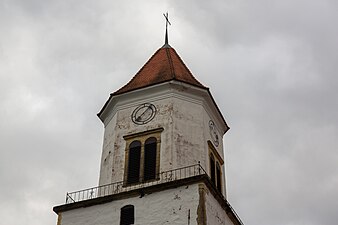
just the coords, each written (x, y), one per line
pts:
(171, 178)
(120, 187)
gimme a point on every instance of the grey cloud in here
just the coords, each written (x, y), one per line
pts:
(271, 67)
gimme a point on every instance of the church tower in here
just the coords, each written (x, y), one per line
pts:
(162, 158)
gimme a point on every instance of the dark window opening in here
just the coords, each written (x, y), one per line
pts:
(212, 170)
(127, 215)
(219, 177)
(150, 159)
(134, 162)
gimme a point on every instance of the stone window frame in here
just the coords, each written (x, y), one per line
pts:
(142, 137)
(213, 153)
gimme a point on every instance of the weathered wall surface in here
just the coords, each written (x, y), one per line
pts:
(215, 214)
(107, 157)
(184, 116)
(173, 206)
(114, 146)
(188, 132)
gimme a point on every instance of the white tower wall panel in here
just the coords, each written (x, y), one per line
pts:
(172, 206)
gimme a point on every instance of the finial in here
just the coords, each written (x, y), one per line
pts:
(166, 28)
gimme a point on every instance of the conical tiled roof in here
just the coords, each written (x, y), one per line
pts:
(164, 65)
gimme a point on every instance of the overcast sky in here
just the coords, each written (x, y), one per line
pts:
(271, 66)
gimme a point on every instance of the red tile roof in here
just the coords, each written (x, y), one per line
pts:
(164, 65)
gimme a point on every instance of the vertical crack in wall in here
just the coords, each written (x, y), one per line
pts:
(189, 217)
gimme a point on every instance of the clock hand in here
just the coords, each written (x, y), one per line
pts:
(140, 116)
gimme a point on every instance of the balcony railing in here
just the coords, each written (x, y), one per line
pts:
(163, 177)
(119, 187)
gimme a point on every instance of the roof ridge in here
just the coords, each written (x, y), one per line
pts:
(171, 65)
(187, 68)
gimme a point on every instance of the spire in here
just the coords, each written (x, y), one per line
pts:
(165, 65)
(166, 42)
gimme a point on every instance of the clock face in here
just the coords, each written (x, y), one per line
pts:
(213, 133)
(143, 113)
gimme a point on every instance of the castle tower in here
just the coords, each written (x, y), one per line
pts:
(162, 158)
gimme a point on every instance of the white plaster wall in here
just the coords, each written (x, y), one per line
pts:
(107, 157)
(171, 207)
(121, 125)
(215, 214)
(184, 114)
(220, 148)
(188, 131)
(191, 133)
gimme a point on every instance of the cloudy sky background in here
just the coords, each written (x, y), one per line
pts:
(271, 67)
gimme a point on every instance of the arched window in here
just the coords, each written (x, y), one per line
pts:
(142, 156)
(127, 215)
(134, 162)
(215, 164)
(212, 169)
(150, 159)
(219, 177)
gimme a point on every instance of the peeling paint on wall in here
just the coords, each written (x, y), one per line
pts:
(216, 215)
(158, 208)
(184, 118)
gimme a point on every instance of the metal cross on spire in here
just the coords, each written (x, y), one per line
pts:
(166, 28)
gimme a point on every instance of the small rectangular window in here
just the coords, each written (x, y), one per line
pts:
(127, 215)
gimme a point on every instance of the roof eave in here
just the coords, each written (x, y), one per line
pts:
(219, 111)
(136, 89)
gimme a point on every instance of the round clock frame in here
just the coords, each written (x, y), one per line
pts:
(213, 133)
(143, 113)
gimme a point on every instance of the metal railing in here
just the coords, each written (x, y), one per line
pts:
(163, 177)
(119, 187)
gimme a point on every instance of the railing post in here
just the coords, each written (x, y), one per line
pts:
(67, 198)
(199, 168)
